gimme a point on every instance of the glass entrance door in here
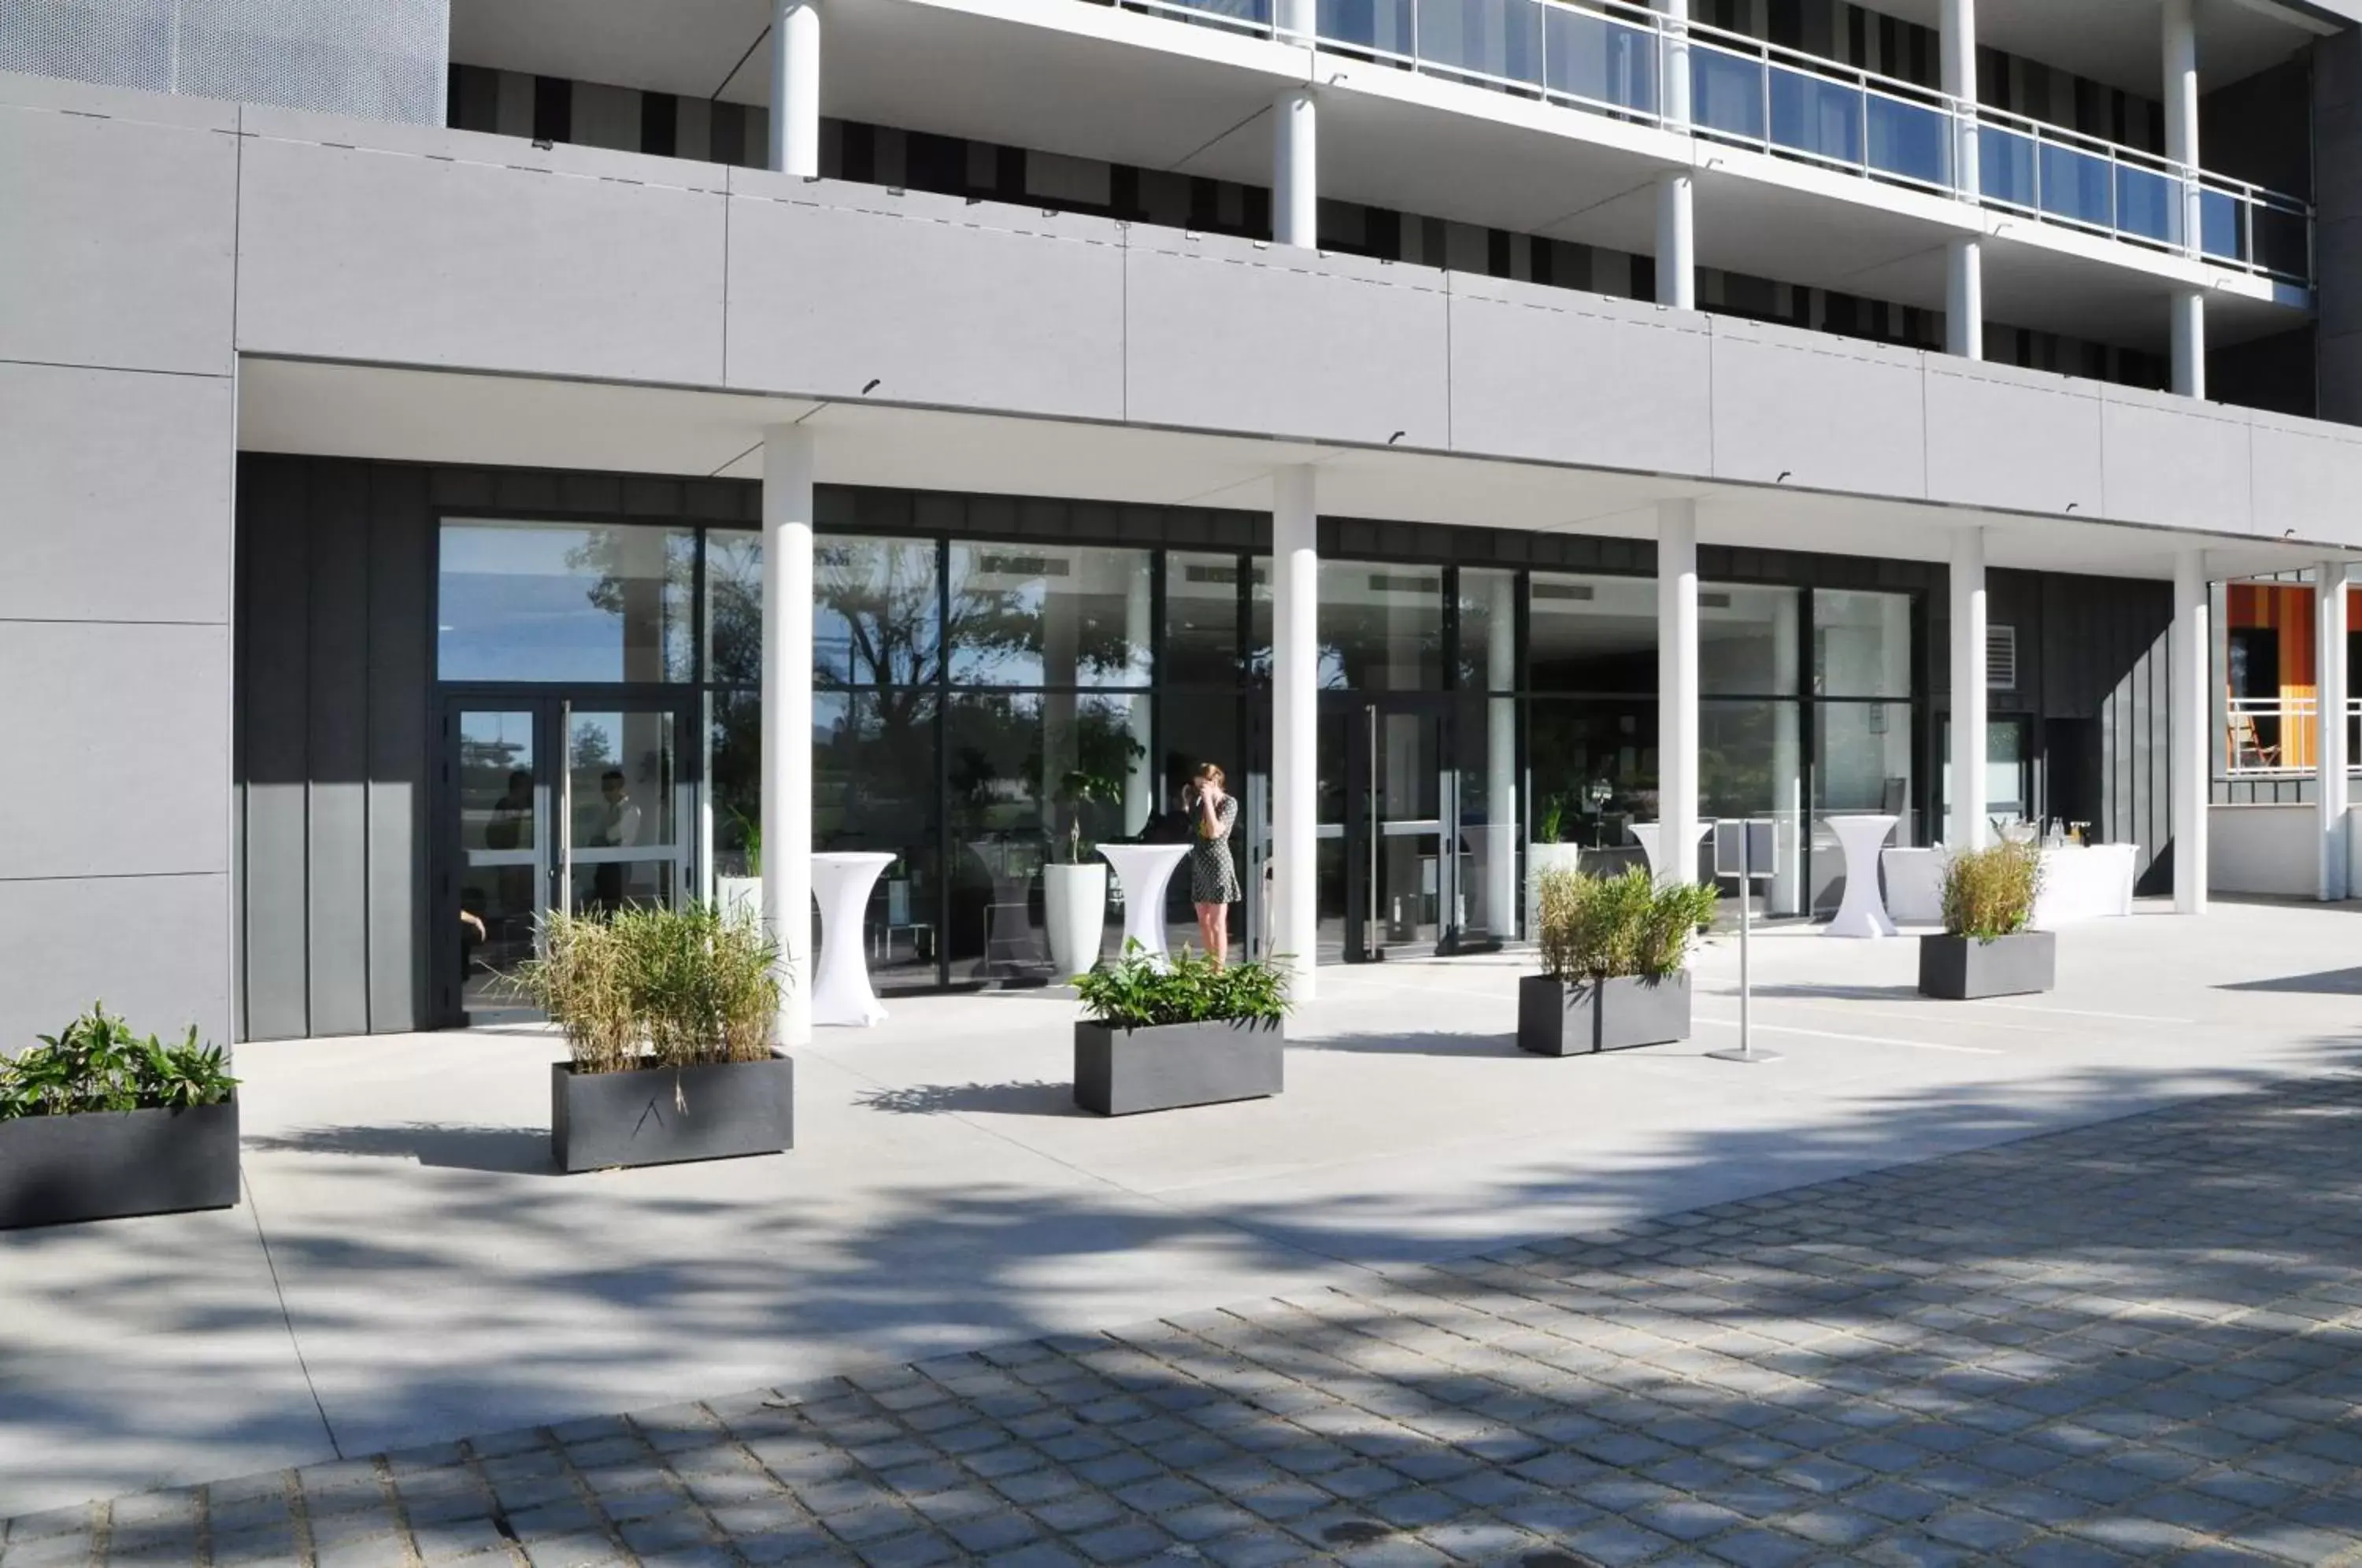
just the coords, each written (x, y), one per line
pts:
(551, 804)
(1414, 851)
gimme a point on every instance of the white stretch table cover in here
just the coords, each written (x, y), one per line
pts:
(1647, 834)
(1861, 912)
(2079, 882)
(840, 884)
(1144, 869)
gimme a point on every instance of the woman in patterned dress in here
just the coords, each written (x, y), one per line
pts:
(1213, 880)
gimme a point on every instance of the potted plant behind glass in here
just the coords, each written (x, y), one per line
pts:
(1073, 894)
(744, 895)
(1189, 1032)
(669, 1016)
(1986, 949)
(1614, 951)
(1548, 851)
(98, 1123)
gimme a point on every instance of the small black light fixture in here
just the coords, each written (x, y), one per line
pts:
(1396, 436)
(1783, 476)
(872, 385)
(2073, 504)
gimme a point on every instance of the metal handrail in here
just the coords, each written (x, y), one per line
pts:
(1554, 39)
(2290, 714)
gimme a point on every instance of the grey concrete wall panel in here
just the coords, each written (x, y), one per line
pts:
(115, 494)
(2176, 463)
(400, 594)
(1828, 414)
(2014, 439)
(565, 268)
(2308, 476)
(119, 237)
(937, 300)
(155, 949)
(336, 743)
(1568, 378)
(274, 713)
(133, 770)
(1226, 335)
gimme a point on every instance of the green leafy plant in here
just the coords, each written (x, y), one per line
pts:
(657, 988)
(1189, 988)
(750, 838)
(1552, 826)
(1599, 928)
(96, 1063)
(1989, 893)
(1076, 790)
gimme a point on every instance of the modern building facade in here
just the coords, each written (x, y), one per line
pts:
(531, 454)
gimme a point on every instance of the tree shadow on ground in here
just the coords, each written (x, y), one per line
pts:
(520, 1151)
(1034, 1097)
(2327, 983)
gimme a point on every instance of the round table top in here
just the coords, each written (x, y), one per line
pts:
(1143, 853)
(850, 858)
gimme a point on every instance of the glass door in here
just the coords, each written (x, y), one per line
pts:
(1415, 857)
(625, 808)
(499, 852)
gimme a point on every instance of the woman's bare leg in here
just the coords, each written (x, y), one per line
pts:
(1218, 938)
(1206, 926)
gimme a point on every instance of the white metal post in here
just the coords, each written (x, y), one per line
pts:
(2181, 94)
(795, 88)
(1677, 690)
(788, 716)
(2329, 756)
(1967, 829)
(1964, 268)
(2194, 699)
(1676, 206)
(1296, 723)
(1296, 171)
(2189, 307)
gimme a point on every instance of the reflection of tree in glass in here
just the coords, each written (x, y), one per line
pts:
(617, 560)
(495, 759)
(590, 749)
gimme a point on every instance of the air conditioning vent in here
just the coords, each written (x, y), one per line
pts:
(2000, 658)
(1026, 566)
(1714, 601)
(1565, 591)
(1391, 582)
(1228, 574)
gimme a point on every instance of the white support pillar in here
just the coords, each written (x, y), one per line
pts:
(1503, 820)
(1677, 690)
(1296, 724)
(1964, 259)
(787, 668)
(2180, 93)
(795, 88)
(1968, 828)
(2329, 756)
(1677, 205)
(2188, 727)
(1296, 22)
(1295, 170)
(2189, 307)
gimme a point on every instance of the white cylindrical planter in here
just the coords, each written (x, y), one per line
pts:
(1074, 905)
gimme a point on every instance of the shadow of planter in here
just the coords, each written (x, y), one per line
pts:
(1577, 1018)
(663, 1115)
(1120, 1072)
(1961, 969)
(111, 1164)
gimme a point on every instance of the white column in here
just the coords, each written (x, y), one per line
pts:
(1502, 817)
(2188, 727)
(1296, 723)
(1296, 21)
(1677, 215)
(1787, 756)
(1677, 689)
(1967, 827)
(795, 88)
(2330, 755)
(2182, 148)
(788, 716)
(1964, 269)
(2189, 307)
(1295, 170)
(1139, 770)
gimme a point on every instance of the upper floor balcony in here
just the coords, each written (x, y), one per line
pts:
(1604, 57)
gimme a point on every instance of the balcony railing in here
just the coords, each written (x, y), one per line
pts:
(2281, 734)
(1608, 58)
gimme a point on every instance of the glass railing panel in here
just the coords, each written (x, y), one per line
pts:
(1501, 39)
(1382, 26)
(2146, 199)
(1233, 16)
(1813, 114)
(2222, 225)
(1599, 61)
(2005, 167)
(1908, 140)
(1726, 91)
(2076, 185)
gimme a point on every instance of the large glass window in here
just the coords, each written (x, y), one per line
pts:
(1488, 629)
(874, 788)
(1202, 645)
(1861, 643)
(1381, 626)
(549, 601)
(1748, 645)
(1592, 634)
(1048, 615)
(1751, 763)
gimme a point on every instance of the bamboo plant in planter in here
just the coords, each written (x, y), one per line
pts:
(98, 1123)
(1614, 954)
(1986, 949)
(670, 1017)
(1187, 1032)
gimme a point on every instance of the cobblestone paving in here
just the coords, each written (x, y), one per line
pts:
(2139, 1340)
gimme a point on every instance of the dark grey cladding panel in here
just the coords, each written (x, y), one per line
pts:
(336, 748)
(273, 721)
(401, 650)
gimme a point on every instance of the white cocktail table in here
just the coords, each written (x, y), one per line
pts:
(1647, 834)
(1143, 869)
(1862, 912)
(840, 884)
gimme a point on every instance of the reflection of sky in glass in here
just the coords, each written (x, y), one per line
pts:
(515, 603)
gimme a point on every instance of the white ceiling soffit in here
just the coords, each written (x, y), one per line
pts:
(454, 417)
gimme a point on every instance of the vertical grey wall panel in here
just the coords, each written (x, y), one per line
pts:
(273, 605)
(337, 890)
(401, 667)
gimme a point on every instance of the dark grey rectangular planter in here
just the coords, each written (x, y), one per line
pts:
(110, 1164)
(1121, 1071)
(1575, 1018)
(1961, 969)
(661, 1115)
